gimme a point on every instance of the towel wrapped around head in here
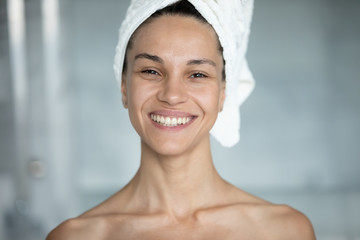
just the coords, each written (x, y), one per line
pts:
(231, 21)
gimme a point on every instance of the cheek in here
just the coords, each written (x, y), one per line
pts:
(209, 98)
(137, 93)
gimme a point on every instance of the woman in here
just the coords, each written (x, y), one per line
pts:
(175, 77)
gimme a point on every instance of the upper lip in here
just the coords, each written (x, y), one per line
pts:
(171, 113)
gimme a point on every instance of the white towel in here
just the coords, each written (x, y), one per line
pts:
(231, 21)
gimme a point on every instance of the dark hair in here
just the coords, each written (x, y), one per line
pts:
(180, 8)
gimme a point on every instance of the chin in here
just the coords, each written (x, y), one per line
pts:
(176, 148)
(170, 149)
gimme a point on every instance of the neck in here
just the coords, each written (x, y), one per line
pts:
(176, 184)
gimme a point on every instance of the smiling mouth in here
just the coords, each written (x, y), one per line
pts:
(170, 121)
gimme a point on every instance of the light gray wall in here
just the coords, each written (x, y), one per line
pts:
(302, 121)
(300, 127)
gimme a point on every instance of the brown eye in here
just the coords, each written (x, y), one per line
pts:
(150, 72)
(198, 75)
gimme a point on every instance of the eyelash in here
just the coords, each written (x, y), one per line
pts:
(194, 75)
(150, 72)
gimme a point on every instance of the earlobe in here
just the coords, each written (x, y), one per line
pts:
(123, 92)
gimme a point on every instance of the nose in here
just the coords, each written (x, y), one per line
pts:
(173, 91)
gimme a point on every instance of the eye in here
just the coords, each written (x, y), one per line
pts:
(198, 75)
(150, 72)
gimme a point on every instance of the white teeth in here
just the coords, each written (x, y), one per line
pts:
(167, 121)
(170, 121)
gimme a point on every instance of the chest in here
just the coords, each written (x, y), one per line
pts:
(180, 232)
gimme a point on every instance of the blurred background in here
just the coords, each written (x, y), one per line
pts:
(66, 143)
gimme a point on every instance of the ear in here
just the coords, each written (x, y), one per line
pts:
(123, 91)
(222, 95)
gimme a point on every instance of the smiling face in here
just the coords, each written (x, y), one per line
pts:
(173, 84)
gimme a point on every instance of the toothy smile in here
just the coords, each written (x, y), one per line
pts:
(170, 121)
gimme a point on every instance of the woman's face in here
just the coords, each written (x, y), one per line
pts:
(173, 86)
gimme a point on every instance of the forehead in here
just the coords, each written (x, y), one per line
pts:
(177, 32)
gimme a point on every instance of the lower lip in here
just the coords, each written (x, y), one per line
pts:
(174, 128)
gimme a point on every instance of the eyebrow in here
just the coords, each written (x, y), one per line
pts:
(201, 61)
(160, 60)
(150, 57)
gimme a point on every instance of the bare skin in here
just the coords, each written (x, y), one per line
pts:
(177, 192)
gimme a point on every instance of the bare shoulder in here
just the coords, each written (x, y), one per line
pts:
(289, 223)
(281, 222)
(97, 223)
(76, 228)
(261, 219)
(68, 229)
(250, 217)
(88, 227)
